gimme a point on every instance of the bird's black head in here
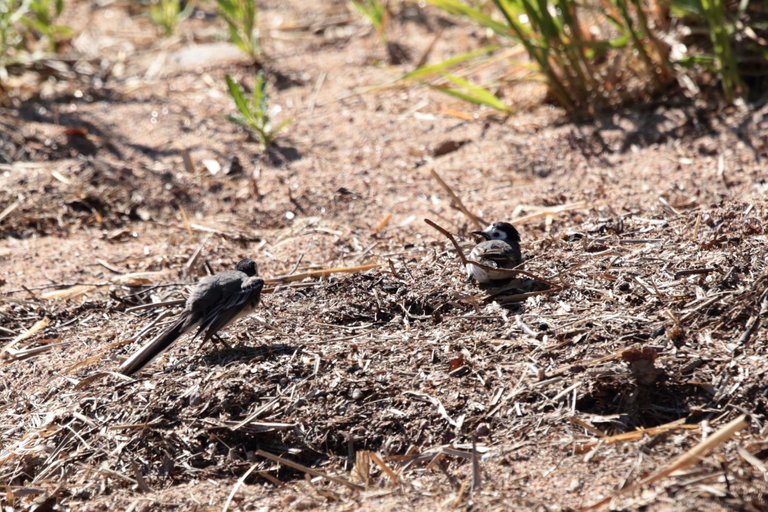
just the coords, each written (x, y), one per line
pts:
(500, 231)
(247, 266)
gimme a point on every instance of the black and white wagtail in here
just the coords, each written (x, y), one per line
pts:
(500, 249)
(215, 301)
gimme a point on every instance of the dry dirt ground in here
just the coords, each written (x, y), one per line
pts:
(650, 222)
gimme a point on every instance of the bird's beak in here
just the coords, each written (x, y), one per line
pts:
(481, 233)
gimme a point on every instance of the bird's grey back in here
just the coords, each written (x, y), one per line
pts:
(210, 288)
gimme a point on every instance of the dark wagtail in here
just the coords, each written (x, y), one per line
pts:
(499, 250)
(216, 301)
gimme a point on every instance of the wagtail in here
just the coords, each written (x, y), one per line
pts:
(215, 301)
(500, 249)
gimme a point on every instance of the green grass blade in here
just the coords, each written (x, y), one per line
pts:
(236, 92)
(425, 72)
(469, 12)
(473, 93)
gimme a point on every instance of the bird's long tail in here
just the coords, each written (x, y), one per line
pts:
(153, 348)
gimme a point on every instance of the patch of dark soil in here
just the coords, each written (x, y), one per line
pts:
(367, 298)
(641, 406)
(89, 193)
(279, 154)
(701, 126)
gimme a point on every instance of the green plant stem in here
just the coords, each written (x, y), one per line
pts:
(714, 12)
(540, 55)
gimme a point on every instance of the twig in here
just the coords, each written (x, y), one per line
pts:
(109, 267)
(477, 477)
(477, 221)
(295, 266)
(752, 324)
(186, 158)
(693, 271)
(142, 484)
(308, 470)
(450, 237)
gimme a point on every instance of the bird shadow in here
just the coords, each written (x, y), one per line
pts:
(223, 356)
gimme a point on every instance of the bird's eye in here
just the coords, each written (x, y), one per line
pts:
(496, 234)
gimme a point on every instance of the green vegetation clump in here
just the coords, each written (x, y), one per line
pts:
(240, 16)
(604, 53)
(167, 14)
(253, 114)
(24, 23)
(376, 13)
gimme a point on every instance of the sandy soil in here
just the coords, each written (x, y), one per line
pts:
(649, 223)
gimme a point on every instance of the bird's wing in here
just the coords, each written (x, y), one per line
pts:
(234, 297)
(495, 253)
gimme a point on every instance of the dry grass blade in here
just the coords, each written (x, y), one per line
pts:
(440, 408)
(548, 212)
(362, 469)
(69, 293)
(185, 220)
(629, 436)
(238, 484)
(753, 461)
(321, 273)
(261, 426)
(384, 467)
(192, 261)
(383, 223)
(37, 327)
(301, 467)
(229, 234)
(9, 210)
(477, 221)
(20, 355)
(588, 363)
(694, 455)
(689, 458)
(138, 278)
(99, 356)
